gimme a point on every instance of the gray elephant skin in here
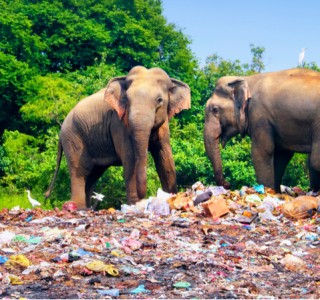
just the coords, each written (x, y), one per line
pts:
(118, 125)
(280, 111)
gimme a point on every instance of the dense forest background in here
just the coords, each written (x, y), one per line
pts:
(55, 52)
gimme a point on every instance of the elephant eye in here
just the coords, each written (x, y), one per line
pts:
(215, 109)
(159, 101)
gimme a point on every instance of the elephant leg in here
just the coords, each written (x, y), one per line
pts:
(280, 162)
(314, 176)
(162, 154)
(80, 167)
(262, 152)
(91, 180)
(130, 178)
(78, 195)
(127, 158)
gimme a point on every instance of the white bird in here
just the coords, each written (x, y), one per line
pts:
(301, 57)
(97, 196)
(32, 201)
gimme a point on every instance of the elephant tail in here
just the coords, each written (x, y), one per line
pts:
(59, 156)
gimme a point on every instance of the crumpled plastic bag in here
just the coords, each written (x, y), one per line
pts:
(17, 261)
(12, 279)
(100, 266)
(6, 237)
(300, 207)
(293, 263)
(159, 205)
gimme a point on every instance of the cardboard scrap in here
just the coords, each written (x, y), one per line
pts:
(215, 207)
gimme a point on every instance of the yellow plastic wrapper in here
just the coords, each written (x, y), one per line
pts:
(12, 279)
(100, 266)
(300, 207)
(18, 261)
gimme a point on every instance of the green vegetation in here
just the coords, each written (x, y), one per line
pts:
(55, 52)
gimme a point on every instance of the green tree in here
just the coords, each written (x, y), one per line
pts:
(257, 64)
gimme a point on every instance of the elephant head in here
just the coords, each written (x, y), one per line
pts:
(144, 100)
(225, 117)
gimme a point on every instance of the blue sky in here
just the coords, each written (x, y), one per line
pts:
(228, 27)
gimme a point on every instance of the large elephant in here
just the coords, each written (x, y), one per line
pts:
(280, 111)
(117, 126)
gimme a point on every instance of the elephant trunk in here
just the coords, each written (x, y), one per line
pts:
(212, 133)
(141, 136)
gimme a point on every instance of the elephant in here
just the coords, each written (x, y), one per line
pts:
(279, 111)
(117, 126)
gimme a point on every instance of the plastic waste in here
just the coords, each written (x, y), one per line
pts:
(267, 215)
(217, 190)
(270, 203)
(159, 205)
(246, 217)
(135, 234)
(133, 244)
(111, 292)
(12, 279)
(100, 266)
(198, 186)
(311, 236)
(293, 263)
(300, 207)
(139, 289)
(259, 188)
(69, 206)
(253, 199)
(286, 190)
(129, 209)
(18, 261)
(53, 234)
(3, 259)
(202, 197)
(6, 237)
(182, 285)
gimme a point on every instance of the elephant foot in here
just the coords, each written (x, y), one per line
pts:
(133, 201)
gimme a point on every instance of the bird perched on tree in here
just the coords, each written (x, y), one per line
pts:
(301, 57)
(32, 201)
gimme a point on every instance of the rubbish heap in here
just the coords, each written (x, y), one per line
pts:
(206, 242)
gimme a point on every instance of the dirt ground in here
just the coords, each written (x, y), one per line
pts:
(62, 254)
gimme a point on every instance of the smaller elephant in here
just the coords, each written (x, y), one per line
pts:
(118, 125)
(279, 111)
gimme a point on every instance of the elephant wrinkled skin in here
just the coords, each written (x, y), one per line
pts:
(117, 126)
(280, 111)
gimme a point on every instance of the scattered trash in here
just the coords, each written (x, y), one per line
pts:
(182, 285)
(301, 207)
(215, 207)
(203, 197)
(140, 289)
(259, 188)
(204, 242)
(100, 266)
(293, 263)
(111, 292)
(69, 206)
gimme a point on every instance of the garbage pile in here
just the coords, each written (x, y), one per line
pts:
(206, 242)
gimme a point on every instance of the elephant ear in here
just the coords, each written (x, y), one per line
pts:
(180, 97)
(115, 95)
(242, 95)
